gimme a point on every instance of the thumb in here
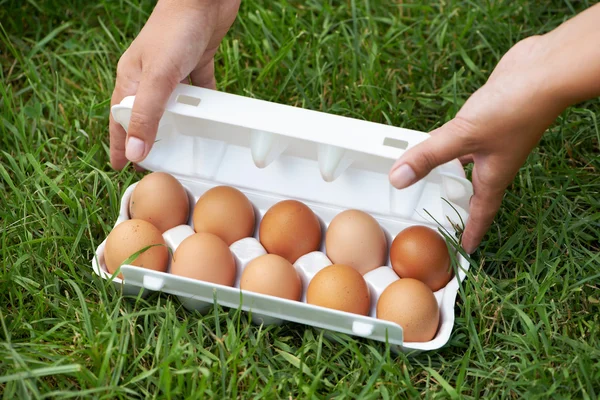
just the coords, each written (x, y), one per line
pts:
(445, 144)
(150, 100)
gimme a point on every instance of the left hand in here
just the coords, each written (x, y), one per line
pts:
(496, 129)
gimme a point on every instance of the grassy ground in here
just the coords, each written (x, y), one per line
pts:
(528, 316)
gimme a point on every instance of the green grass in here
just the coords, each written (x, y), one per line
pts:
(528, 315)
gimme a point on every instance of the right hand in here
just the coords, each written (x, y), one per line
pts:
(177, 43)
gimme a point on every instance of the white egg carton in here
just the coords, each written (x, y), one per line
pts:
(273, 152)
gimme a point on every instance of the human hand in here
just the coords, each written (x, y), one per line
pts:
(496, 129)
(178, 41)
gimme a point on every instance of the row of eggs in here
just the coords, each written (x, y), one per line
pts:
(354, 242)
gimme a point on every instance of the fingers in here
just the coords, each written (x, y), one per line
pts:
(482, 213)
(204, 75)
(456, 140)
(124, 86)
(465, 160)
(151, 98)
(117, 145)
(484, 206)
(445, 144)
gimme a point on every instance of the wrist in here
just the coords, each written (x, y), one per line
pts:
(200, 5)
(573, 57)
(529, 70)
(547, 74)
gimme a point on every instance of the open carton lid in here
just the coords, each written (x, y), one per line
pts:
(297, 153)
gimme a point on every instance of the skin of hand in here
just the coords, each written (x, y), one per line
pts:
(177, 44)
(503, 121)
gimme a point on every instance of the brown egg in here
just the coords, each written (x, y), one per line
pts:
(355, 238)
(290, 229)
(160, 199)
(226, 212)
(205, 257)
(421, 253)
(411, 304)
(128, 238)
(273, 275)
(339, 287)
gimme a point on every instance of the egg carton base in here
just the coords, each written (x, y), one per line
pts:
(307, 266)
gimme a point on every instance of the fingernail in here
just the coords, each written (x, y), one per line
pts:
(135, 149)
(402, 176)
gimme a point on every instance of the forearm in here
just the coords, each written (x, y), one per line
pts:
(573, 54)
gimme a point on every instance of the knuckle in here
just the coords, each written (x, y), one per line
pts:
(490, 200)
(482, 219)
(429, 160)
(168, 74)
(140, 121)
(123, 66)
(117, 146)
(528, 44)
(127, 76)
(464, 130)
(484, 209)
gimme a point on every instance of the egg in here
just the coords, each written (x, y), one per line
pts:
(421, 253)
(128, 238)
(339, 287)
(290, 229)
(411, 304)
(226, 212)
(160, 199)
(356, 239)
(272, 275)
(205, 257)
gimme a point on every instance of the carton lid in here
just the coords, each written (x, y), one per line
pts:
(308, 155)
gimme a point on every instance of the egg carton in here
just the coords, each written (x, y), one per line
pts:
(272, 152)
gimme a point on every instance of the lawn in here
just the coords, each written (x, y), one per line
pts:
(528, 315)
